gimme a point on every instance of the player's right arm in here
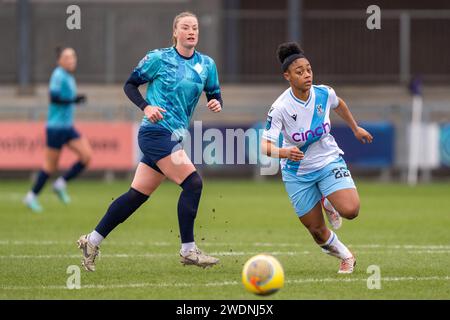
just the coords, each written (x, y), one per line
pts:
(146, 71)
(270, 149)
(271, 135)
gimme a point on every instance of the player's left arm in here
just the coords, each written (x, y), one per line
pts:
(212, 90)
(344, 112)
(56, 84)
(57, 100)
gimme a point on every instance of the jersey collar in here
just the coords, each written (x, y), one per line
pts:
(184, 57)
(303, 103)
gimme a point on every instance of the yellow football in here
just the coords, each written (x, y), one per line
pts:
(263, 275)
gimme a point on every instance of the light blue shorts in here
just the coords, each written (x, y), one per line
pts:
(306, 190)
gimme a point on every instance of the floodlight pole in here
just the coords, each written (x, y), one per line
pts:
(232, 56)
(24, 49)
(294, 20)
(405, 47)
(414, 132)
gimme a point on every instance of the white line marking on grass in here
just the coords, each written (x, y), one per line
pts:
(218, 253)
(52, 242)
(376, 246)
(37, 243)
(144, 255)
(386, 279)
(366, 246)
(67, 256)
(429, 251)
(18, 197)
(11, 196)
(221, 284)
(224, 244)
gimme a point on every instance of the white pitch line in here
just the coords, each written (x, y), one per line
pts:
(386, 279)
(219, 253)
(12, 196)
(428, 251)
(145, 255)
(52, 242)
(226, 244)
(397, 246)
(18, 197)
(221, 284)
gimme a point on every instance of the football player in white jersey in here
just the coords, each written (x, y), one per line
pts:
(313, 170)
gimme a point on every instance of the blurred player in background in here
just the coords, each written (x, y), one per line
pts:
(176, 77)
(60, 130)
(313, 170)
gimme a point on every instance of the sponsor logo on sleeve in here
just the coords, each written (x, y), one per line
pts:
(268, 122)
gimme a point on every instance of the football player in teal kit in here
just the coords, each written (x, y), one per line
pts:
(60, 130)
(176, 78)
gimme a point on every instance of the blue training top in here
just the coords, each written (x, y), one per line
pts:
(175, 83)
(63, 88)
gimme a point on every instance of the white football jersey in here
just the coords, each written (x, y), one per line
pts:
(305, 124)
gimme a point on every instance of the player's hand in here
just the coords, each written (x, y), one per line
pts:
(80, 98)
(154, 114)
(294, 154)
(214, 105)
(363, 135)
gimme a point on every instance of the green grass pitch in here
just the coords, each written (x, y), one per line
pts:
(403, 230)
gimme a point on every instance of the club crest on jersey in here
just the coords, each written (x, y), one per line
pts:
(198, 67)
(319, 109)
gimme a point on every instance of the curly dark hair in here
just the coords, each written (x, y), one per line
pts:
(288, 48)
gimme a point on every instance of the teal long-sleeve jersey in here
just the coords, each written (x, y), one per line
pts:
(62, 86)
(175, 83)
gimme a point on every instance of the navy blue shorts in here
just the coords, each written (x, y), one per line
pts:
(156, 143)
(57, 137)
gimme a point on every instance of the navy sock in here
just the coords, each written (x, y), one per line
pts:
(40, 181)
(188, 206)
(120, 210)
(74, 171)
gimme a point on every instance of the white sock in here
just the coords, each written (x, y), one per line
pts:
(60, 183)
(335, 248)
(30, 196)
(185, 247)
(95, 238)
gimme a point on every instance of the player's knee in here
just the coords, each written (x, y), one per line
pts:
(193, 183)
(86, 158)
(350, 211)
(136, 197)
(50, 169)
